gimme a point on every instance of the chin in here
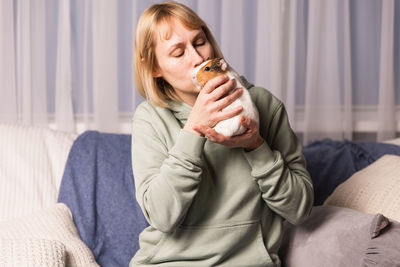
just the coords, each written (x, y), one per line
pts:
(194, 88)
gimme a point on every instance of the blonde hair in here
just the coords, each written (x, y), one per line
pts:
(157, 90)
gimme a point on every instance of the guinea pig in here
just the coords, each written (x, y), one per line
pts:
(213, 68)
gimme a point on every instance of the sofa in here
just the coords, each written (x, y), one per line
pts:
(69, 200)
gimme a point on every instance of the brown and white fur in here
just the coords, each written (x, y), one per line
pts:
(213, 68)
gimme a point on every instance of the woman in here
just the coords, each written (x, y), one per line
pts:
(210, 200)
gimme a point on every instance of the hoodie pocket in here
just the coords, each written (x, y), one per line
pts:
(239, 244)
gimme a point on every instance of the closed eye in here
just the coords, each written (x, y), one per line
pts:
(199, 41)
(178, 53)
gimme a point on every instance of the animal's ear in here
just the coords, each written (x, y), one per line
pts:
(223, 64)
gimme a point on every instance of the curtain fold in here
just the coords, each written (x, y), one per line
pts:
(64, 114)
(135, 18)
(347, 74)
(38, 66)
(105, 82)
(65, 63)
(85, 66)
(24, 63)
(295, 42)
(8, 104)
(386, 106)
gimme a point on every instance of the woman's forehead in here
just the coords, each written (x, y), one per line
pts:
(166, 28)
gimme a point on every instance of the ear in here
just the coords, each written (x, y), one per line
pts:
(223, 64)
(156, 73)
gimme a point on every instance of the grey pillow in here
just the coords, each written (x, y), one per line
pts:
(337, 236)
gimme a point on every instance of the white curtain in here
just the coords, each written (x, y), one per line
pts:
(334, 64)
(327, 97)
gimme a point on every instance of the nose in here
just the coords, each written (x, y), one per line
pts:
(197, 58)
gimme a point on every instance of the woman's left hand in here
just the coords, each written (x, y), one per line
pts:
(249, 140)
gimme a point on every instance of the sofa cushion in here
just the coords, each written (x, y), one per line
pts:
(32, 161)
(374, 189)
(395, 141)
(53, 223)
(335, 236)
(330, 163)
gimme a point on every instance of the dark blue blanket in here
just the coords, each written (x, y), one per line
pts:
(99, 189)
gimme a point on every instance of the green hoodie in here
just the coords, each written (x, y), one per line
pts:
(208, 205)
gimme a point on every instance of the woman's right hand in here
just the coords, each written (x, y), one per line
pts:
(211, 100)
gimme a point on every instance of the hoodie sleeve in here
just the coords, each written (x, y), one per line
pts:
(166, 180)
(280, 170)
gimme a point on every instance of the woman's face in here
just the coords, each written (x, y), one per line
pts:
(178, 51)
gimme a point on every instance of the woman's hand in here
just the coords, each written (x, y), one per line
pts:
(249, 140)
(213, 97)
